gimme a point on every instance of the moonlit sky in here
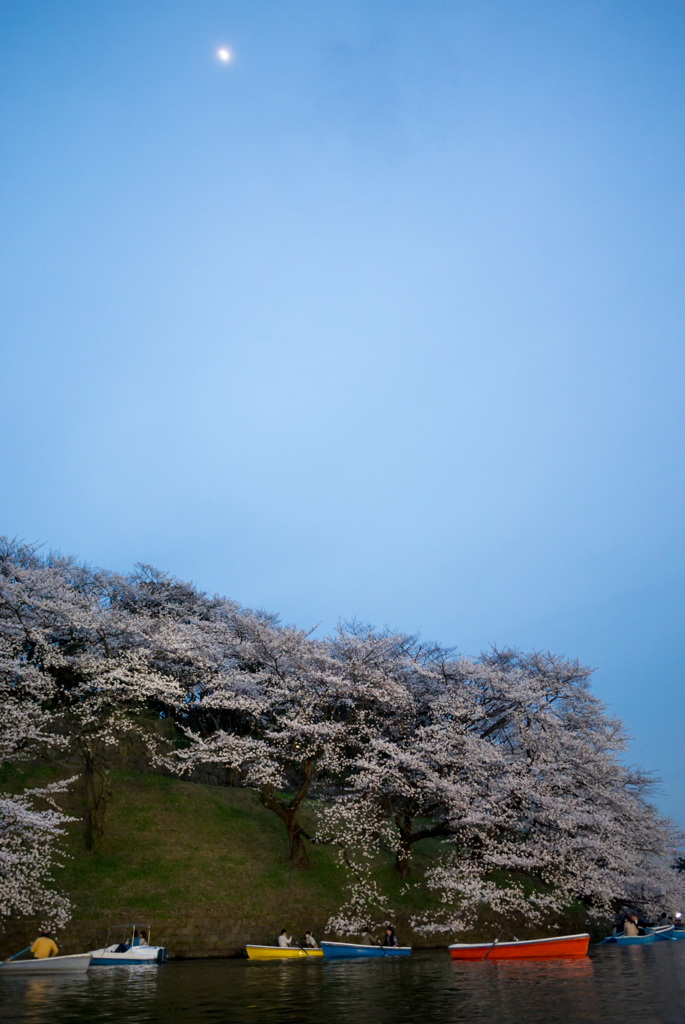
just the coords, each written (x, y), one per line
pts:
(384, 317)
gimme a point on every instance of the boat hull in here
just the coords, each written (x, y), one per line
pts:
(635, 940)
(562, 945)
(678, 933)
(350, 950)
(665, 932)
(281, 953)
(629, 940)
(137, 956)
(78, 963)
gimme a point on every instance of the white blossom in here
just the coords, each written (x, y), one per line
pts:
(29, 841)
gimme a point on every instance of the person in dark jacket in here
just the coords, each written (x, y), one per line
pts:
(619, 919)
(390, 939)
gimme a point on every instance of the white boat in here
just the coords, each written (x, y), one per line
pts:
(133, 950)
(79, 962)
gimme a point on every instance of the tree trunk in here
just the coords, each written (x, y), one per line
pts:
(299, 858)
(402, 863)
(98, 793)
(407, 838)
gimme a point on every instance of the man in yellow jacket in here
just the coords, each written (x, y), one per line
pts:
(44, 947)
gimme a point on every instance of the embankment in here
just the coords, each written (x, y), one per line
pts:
(207, 868)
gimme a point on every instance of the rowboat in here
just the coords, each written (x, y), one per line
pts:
(630, 940)
(561, 945)
(47, 965)
(347, 950)
(659, 934)
(281, 953)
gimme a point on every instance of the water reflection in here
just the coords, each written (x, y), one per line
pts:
(638, 984)
(137, 983)
(40, 994)
(556, 989)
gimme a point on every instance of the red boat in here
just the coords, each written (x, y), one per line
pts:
(561, 945)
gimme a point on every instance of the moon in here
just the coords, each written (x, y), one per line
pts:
(224, 54)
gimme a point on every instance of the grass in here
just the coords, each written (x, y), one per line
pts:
(175, 848)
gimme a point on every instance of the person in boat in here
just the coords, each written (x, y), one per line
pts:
(630, 926)
(664, 921)
(618, 924)
(44, 947)
(283, 940)
(367, 939)
(633, 925)
(390, 939)
(142, 938)
(310, 941)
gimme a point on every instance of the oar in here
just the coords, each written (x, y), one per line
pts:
(382, 950)
(16, 955)
(493, 946)
(303, 950)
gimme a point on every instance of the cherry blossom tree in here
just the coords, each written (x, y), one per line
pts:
(25, 691)
(515, 765)
(77, 665)
(271, 695)
(368, 741)
(290, 713)
(437, 761)
(29, 851)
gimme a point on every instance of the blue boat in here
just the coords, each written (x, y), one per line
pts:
(629, 940)
(679, 933)
(352, 950)
(651, 935)
(635, 940)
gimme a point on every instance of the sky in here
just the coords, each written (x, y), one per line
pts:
(383, 318)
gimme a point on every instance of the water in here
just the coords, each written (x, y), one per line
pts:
(632, 984)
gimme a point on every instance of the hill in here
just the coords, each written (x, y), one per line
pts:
(200, 860)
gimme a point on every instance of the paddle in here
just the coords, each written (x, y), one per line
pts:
(303, 950)
(493, 946)
(16, 955)
(382, 950)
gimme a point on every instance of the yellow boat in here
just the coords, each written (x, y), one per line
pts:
(279, 952)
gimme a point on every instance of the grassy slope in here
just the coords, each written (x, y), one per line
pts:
(176, 848)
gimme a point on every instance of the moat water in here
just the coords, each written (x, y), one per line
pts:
(629, 984)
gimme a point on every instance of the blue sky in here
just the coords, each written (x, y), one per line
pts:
(384, 318)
